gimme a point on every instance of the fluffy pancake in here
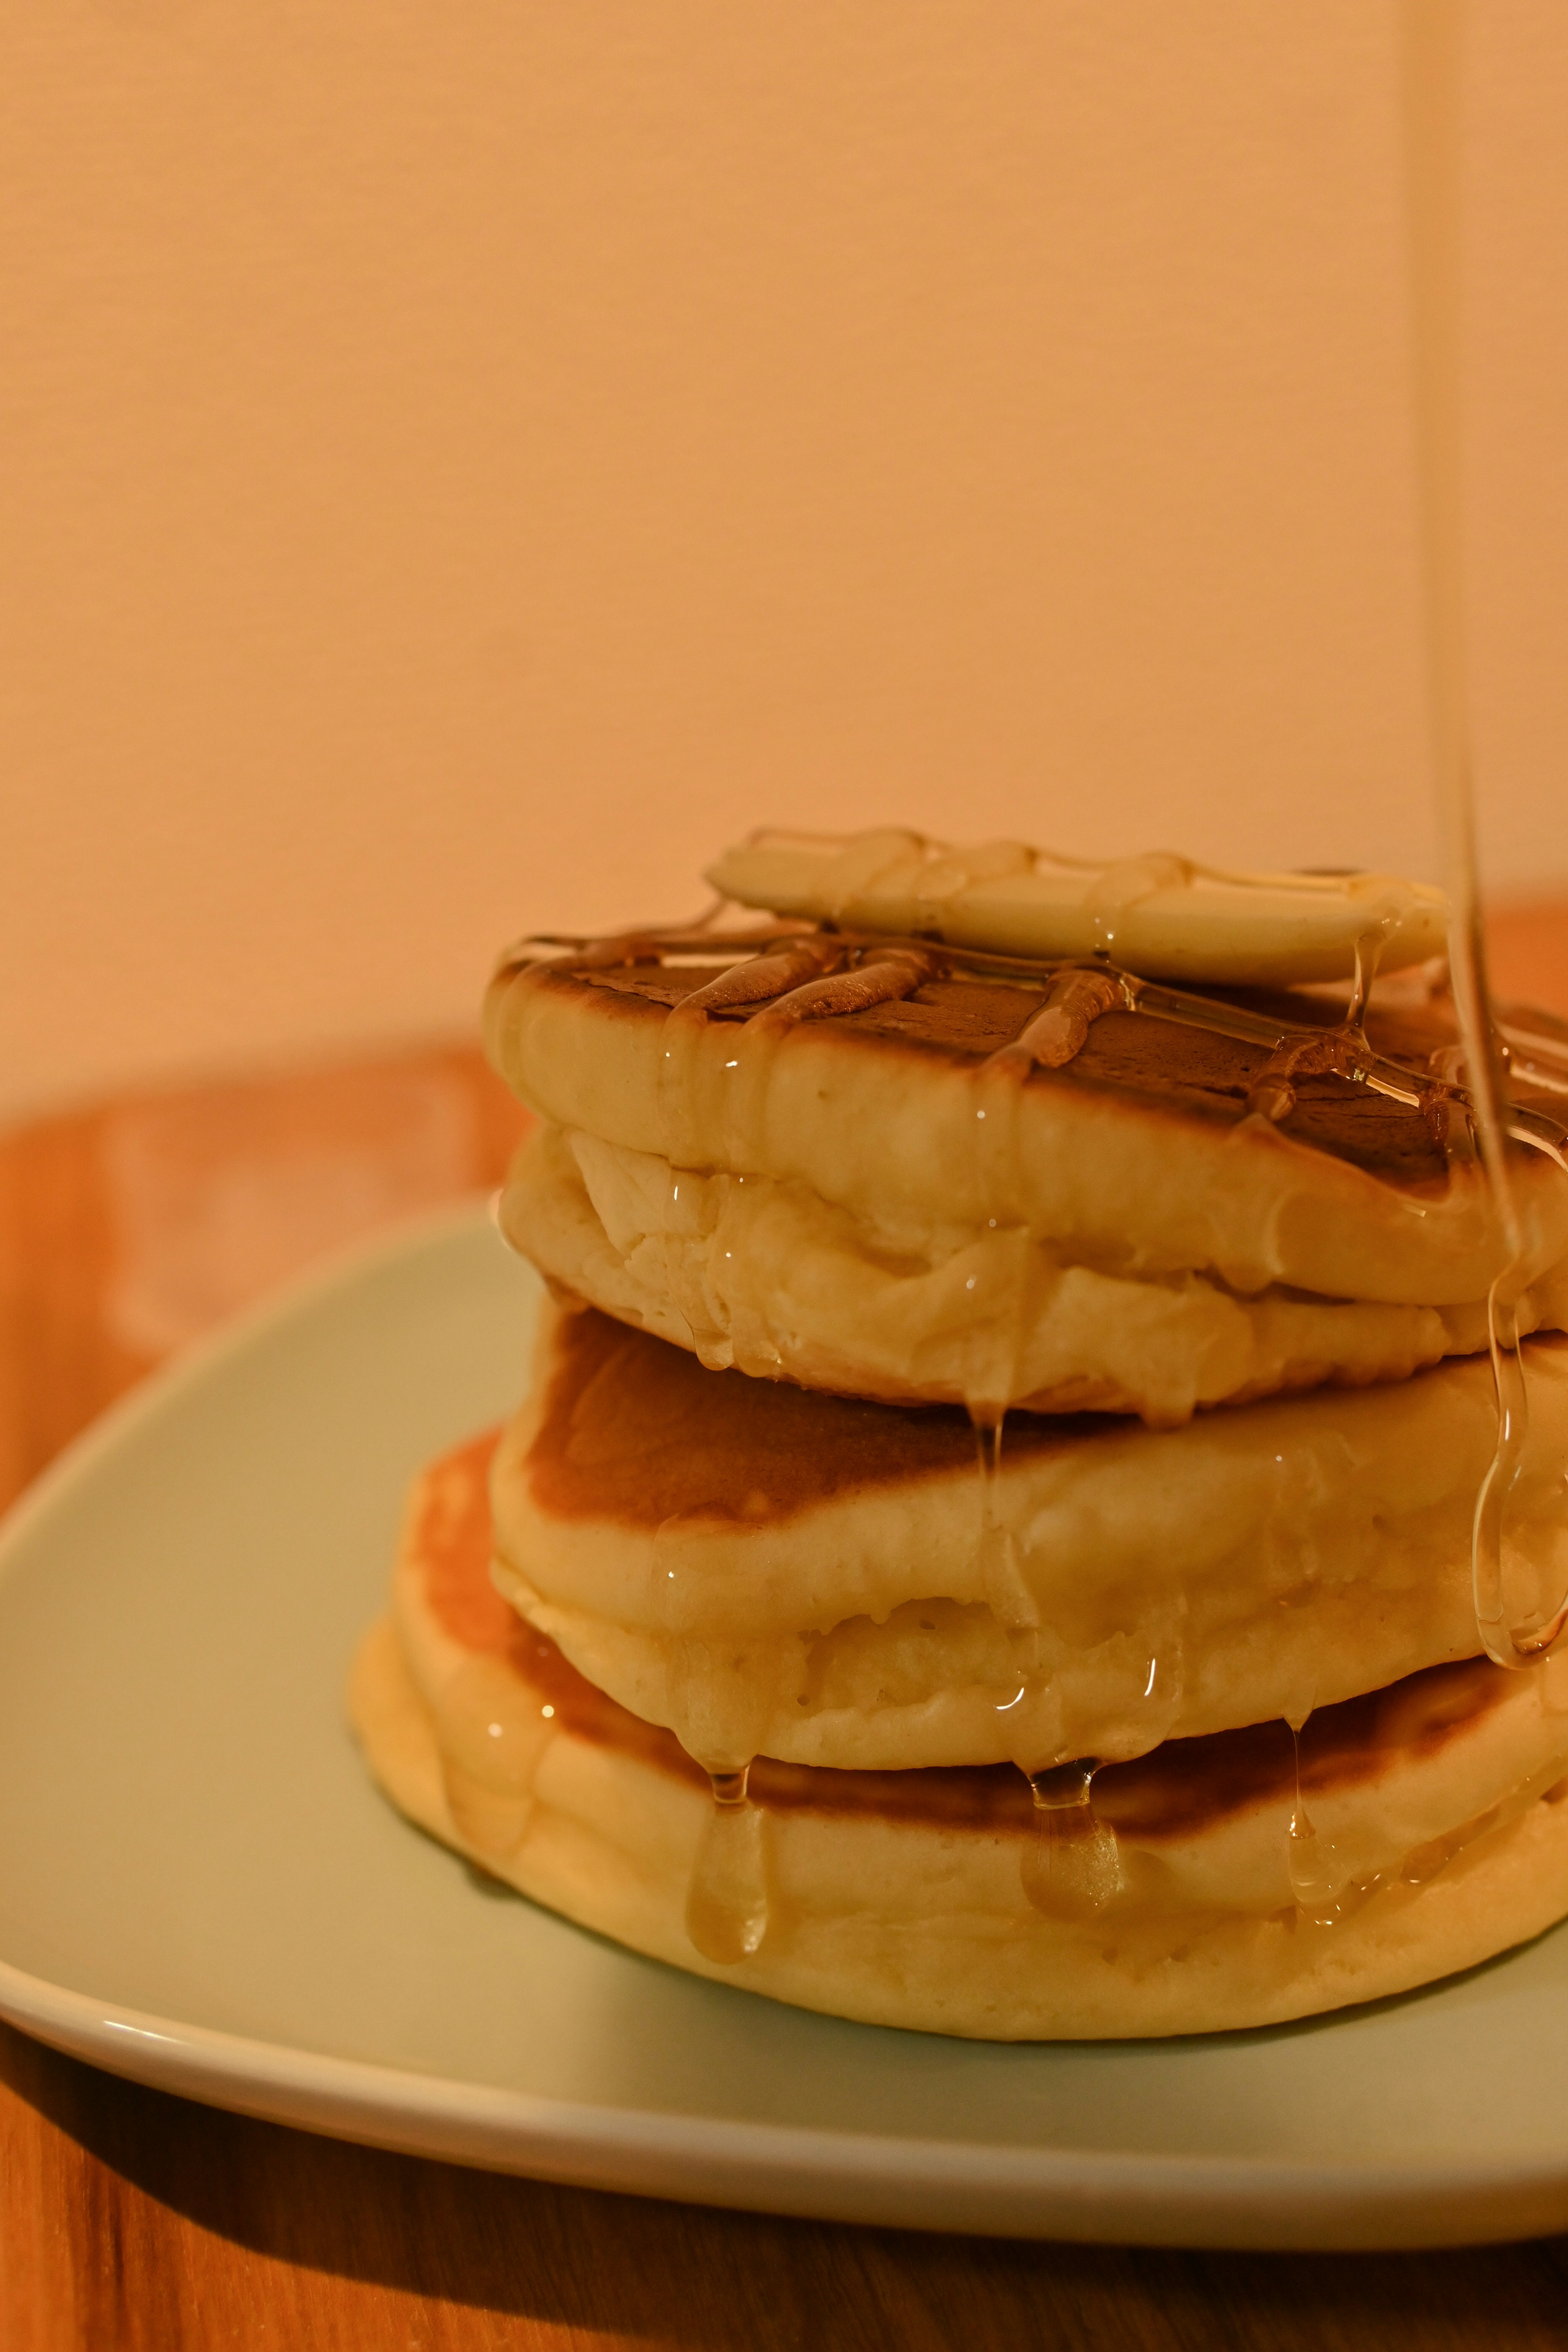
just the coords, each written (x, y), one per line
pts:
(1428, 1834)
(824, 1579)
(874, 1193)
(773, 1280)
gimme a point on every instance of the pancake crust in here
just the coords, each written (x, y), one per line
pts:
(901, 1898)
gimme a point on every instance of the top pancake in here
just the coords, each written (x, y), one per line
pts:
(1179, 1081)
(891, 1136)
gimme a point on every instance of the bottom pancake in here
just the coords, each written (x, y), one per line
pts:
(1198, 1889)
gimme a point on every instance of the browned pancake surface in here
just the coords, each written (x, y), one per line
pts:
(1179, 1790)
(1170, 1068)
(637, 1431)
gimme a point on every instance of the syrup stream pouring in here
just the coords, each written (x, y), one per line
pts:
(1433, 37)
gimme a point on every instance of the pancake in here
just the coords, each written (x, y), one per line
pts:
(923, 1175)
(829, 1580)
(1428, 1833)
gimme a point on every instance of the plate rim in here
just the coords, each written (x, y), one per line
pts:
(1093, 2196)
(1099, 2196)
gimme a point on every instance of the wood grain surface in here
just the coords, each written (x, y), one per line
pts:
(131, 2218)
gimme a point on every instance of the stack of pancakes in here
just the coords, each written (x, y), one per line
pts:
(987, 1546)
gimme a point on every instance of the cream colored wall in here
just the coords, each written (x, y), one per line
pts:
(462, 464)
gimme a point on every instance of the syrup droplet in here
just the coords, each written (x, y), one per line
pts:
(1324, 1880)
(719, 1698)
(727, 1900)
(1164, 1687)
(1071, 1863)
(1308, 1859)
(490, 1733)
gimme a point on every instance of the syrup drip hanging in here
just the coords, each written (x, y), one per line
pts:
(1321, 1880)
(717, 1706)
(727, 1899)
(1007, 1594)
(1071, 1863)
(491, 1734)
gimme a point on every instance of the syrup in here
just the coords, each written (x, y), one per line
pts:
(1007, 1593)
(1072, 1863)
(491, 1731)
(1321, 1882)
(718, 1701)
(727, 1899)
(721, 1688)
(1433, 37)
(886, 968)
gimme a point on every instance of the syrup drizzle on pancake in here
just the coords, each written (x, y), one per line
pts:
(1409, 1071)
(1181, 1789)
(632, 1429)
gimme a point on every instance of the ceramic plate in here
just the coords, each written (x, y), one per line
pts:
(199, 1887)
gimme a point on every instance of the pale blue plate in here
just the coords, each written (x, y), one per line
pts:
(199, 1887)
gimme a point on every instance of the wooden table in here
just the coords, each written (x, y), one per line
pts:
(130, 2219)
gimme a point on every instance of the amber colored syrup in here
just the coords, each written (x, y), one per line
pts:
(1433, 35)
(727, 1899)
(717, 1717)
(1072, 1864)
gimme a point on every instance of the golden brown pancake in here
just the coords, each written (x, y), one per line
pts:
(1427, 1833)
(898, 1198)
(826, 1580)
